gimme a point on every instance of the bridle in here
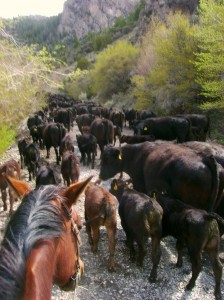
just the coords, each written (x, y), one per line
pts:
(73, 281)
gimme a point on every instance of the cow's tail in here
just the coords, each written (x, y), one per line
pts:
(219, 220)
(212, 165)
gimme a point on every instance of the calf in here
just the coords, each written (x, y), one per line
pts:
(11, 168)
(31, 159)
(22, 143)
(141, 217)
(48, 175)
(197, 229)
(87, 144)
(100, 210)
(70, 167)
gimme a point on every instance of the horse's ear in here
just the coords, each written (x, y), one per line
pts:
(73, 192)
(18, 186)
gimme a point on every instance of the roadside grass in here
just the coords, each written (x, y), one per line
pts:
(7, 137)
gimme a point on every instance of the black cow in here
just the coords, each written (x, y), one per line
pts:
(52, 135)
(198, 230)
(87, 145)
(34, 120)
(84, 120)
(22, 143)
(103, 130)
(65, 117)
(36, 132)
(145, 114)
(32, 159)
(200, 126)
(176, 169)
(48, 175)
(117, 117)
(130, 115)
(167, 128)
(141, 217)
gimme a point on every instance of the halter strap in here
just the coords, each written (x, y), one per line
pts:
(75, 277)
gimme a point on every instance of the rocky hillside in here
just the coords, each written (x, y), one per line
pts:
(79, 17)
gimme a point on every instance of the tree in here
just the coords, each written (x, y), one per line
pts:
(112, 70)
(24, 77)
(210, 58)
(167, 77)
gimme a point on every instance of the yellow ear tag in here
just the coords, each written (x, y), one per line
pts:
(154, 196)
(35, 129)
(130, 186)
(120, 157)
(115, 187)
(145, 128)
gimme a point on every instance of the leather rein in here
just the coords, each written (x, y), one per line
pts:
(73, 281)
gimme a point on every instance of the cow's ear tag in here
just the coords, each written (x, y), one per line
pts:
(145, 128)
(130, 186)
(154, 195)
(119, 157)
(115, 187)
(35, 129)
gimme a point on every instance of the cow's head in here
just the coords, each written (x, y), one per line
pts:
(111, 162)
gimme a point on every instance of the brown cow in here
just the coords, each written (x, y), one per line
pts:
(11, 168)
(100, 210)
(70, 167)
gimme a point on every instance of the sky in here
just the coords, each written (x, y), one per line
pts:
(15, 8)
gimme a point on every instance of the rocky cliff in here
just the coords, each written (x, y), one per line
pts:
(79, 17)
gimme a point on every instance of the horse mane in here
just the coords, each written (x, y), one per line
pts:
(36, 218)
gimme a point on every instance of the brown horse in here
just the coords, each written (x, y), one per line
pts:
(41, 243)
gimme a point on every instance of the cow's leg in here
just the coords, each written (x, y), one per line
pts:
(4, 199)
(195, 257)
(48, 152)
(141, 251)
(96, 236)
(88, 231)
(156, 254)
(88, 158)
(58, 157)
(111, 233)
(217, 270)
(179, 247)
(11, 200)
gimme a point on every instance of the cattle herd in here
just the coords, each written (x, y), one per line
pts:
(175, 177)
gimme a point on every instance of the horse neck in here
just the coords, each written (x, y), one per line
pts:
(40, 269)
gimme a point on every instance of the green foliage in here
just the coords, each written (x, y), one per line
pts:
(77, 84)
(168, 76)
(7, 137)
(24, 78)
(210, 58)
(111, 72)
(83, 63)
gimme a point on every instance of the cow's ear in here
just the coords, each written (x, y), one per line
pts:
(18, 186)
